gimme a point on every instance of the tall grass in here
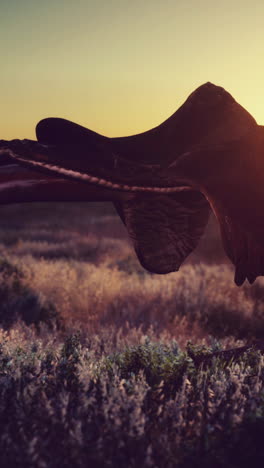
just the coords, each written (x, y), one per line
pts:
(200, 298)
(100, 401)
(99, 359)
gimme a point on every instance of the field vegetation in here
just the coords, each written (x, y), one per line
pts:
(105, 365)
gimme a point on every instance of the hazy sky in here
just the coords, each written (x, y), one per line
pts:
(121, 67)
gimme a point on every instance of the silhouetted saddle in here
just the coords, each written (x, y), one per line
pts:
(169, 172)
(210, 114)
(164, 228)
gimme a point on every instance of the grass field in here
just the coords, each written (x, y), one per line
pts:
(98, 357)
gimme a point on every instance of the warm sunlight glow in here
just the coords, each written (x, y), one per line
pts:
(122, 68)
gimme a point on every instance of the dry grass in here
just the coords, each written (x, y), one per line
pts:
(77, 259)
(120, 399)
(201, 299)
(118, 390)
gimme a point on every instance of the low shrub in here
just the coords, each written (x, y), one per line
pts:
(145, 405)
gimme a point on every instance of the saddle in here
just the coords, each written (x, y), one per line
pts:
(198, 159)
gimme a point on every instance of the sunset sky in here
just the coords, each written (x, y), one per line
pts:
(121, 67)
